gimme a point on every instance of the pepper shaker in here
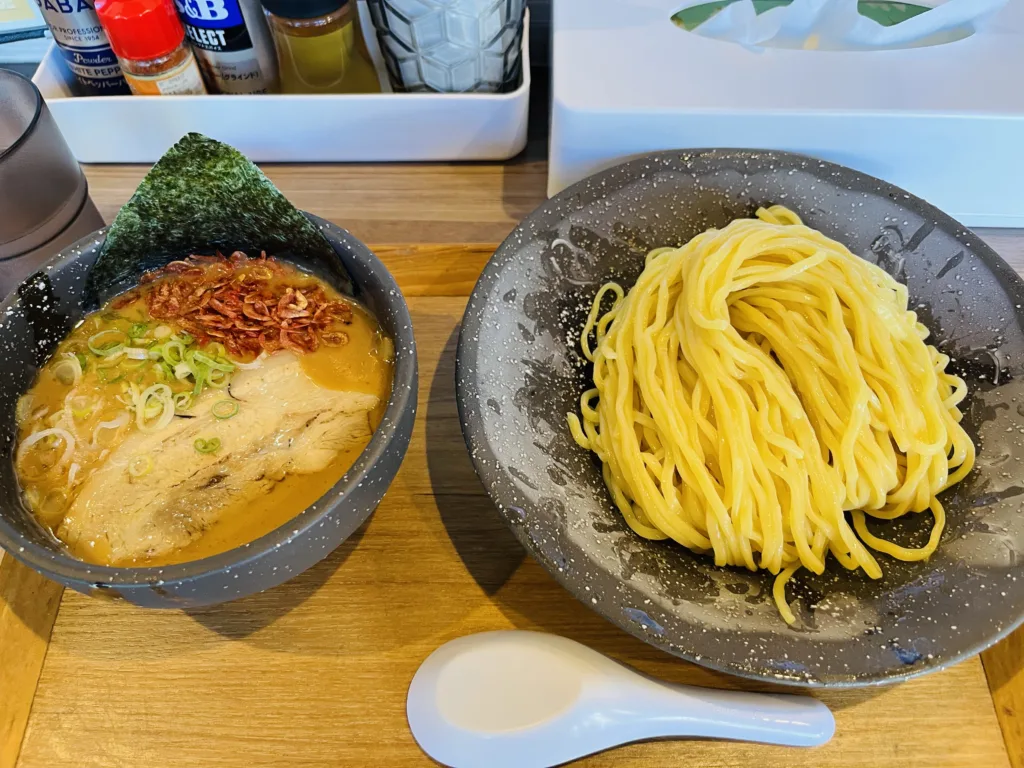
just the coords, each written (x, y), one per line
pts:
(84, 47)
(149, 41)
(231, 41)
(450, 46)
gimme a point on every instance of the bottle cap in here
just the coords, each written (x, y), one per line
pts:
(140, 29)
(303, 9)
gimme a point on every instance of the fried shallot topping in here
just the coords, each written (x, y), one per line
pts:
(248, 305)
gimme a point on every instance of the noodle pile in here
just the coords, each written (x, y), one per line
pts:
(758, 383)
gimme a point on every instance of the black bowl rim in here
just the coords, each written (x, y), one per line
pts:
(488, 468)
(404, 376)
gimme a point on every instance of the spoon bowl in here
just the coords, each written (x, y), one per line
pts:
(515, 699)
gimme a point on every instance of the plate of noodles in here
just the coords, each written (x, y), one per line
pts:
(762, 411)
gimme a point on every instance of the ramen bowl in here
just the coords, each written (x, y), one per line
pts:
(520, 372)
(41, 312)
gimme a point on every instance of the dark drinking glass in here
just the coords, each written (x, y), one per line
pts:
(44, 197)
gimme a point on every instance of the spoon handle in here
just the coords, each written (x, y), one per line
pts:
(663, 710)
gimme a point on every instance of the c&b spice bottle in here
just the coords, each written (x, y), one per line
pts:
(231, 41)
(150, 45)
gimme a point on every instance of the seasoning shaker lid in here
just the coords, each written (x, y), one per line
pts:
(303, 9)
(141, 29)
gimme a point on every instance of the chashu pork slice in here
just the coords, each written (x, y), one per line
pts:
(285, 424)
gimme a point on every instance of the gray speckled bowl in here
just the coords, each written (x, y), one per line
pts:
(519, 373)
(40, 314)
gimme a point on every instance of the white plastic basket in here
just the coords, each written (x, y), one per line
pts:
(380, 127)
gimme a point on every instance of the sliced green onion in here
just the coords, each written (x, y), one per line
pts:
(154, 407)
(224, 409)
(197, 357)
(122, 420)
(68, 371)
(138, 330)
(111, 361)
(110, 317)
(207, 446)
(217, 379)
(140, 465)
(107, 375)
(175, 359)
(172, 351)
(108, 342)
(82, 360)
(182, 401)
(63, 434)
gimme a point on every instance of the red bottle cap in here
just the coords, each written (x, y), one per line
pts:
(140, 29)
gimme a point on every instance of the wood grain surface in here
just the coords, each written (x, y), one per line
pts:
(465, 203)
(314, 673)
(1005, 670)
(28, 605)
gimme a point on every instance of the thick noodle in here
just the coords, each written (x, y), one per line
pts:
(757, 384)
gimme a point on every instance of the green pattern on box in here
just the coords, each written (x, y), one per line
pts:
(881, 11)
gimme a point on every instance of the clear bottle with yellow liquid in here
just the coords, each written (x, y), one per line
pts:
(320, 47)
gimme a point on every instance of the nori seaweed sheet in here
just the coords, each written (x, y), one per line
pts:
(203, 196)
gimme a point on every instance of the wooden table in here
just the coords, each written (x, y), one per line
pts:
(314, 673)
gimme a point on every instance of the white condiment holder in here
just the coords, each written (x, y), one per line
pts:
(944, 122)
(380, 127)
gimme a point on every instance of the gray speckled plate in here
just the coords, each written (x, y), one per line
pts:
(519, 373)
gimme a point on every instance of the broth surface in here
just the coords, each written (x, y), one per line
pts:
(317, 369)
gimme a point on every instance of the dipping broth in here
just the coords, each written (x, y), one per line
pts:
(200, 411)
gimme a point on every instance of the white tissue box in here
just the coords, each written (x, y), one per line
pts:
(944, 122)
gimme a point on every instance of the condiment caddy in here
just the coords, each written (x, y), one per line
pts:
(368, 123)
(439, 46)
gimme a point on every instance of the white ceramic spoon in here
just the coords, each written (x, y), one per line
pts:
(531, 700)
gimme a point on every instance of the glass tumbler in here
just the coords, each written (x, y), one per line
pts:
(450, 46)
(44, 197)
